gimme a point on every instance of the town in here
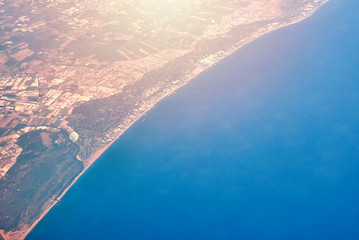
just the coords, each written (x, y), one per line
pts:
(91, 68)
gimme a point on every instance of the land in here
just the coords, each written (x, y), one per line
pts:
(76, 74)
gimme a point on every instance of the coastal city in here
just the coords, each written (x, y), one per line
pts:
(76, 74)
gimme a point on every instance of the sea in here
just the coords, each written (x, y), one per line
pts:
(264, 145)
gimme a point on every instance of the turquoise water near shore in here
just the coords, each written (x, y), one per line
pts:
(262, 146)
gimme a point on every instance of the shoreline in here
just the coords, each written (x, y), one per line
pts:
(25, 230)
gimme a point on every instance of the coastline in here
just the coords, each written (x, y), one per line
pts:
(25, 230)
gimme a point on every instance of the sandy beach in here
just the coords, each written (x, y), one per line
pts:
(25, 230)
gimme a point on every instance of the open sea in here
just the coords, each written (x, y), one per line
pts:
(264, 145)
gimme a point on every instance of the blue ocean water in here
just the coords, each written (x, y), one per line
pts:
(265, 145)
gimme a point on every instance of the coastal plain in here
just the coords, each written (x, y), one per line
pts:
(76, 74)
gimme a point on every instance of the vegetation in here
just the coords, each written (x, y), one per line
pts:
(46, 166)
